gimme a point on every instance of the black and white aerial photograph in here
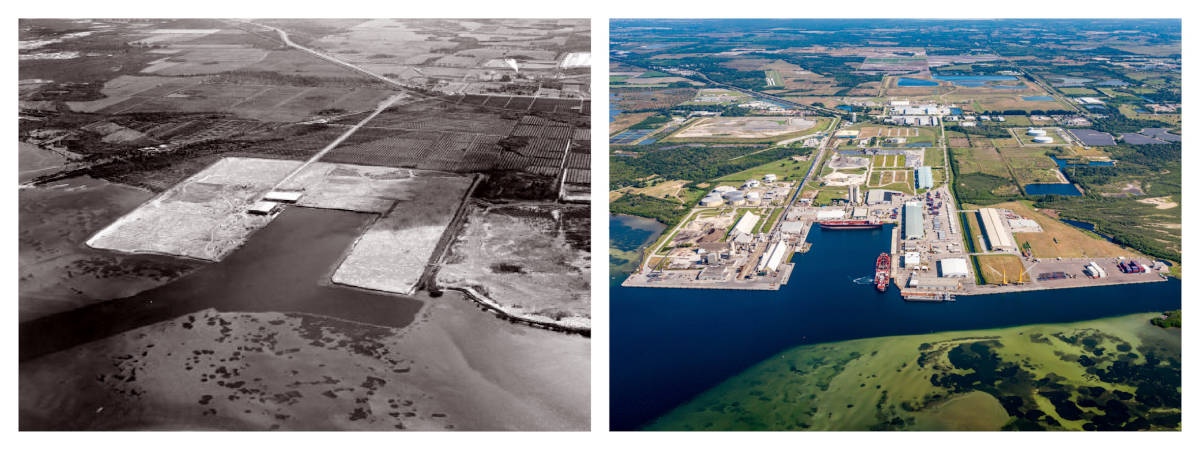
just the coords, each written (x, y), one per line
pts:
(326, 224)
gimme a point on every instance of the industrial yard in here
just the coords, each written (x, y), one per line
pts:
(742, 233)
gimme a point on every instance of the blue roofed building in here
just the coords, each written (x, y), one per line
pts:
(914, 221)
(924, 177)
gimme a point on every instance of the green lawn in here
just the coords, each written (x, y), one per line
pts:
(934, 157)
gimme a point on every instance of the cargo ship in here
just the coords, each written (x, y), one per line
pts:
(883, 271)
(849, 225)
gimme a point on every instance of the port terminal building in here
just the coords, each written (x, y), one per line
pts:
(999, 238)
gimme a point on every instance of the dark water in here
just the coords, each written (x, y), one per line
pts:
(977, 80)
(1085, 226)
(630, 233)
(1066, 163)
(285, 267)
(669, 345)
(613, 112)
(913, 82)
(1065, 189)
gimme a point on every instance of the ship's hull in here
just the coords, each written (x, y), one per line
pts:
(849, 225)
(883, 271)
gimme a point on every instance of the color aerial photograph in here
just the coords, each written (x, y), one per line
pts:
(895, 224)
(325, 224)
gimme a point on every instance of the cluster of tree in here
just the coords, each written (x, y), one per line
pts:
(1174, 319)
(692, 163)
(977, 188)
(1115, 217)
(654, 121)
(283, 79)
(662, 210)
(1116, 124)
(985, 131)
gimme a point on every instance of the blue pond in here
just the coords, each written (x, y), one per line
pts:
(1065, 189)
(1085, 226)
(977, 80)
(1038, 98)
(846, 108)
(669, 345)
(956, 111)
(913, 82)
(1065, 163)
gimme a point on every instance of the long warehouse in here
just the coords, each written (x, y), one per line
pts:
(999, 237)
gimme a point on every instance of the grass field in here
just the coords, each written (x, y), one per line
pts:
(934, 157)
(829, 193)
(785, 169)
(1127, 111)
(974, 237)
(888, 161)
(774, 79)
(1077, 91)
(1058, 239)
(1001, 269)
(1018, 121)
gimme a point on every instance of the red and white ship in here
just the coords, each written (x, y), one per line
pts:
(883, 271)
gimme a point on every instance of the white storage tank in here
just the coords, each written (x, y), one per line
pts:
(711, 201)
(753, 199)
(1043, 140)
(1036, 132)
(723, 189)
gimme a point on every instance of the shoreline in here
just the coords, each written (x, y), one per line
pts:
(490, 305)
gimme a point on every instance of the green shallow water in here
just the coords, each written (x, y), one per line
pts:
(1107, 374)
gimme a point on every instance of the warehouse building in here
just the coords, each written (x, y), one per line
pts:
(283, 196)
(880, 196)
(953, 268)
(746, 224)
(998, 237)
(265, 208)
(914, 221)
(924, 177)
(773, 256)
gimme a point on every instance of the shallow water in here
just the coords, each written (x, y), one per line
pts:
(285, 267)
